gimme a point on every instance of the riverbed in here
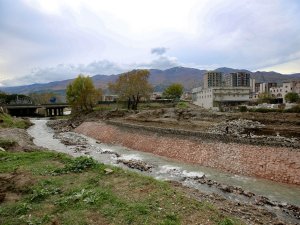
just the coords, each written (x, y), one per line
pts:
(161, 167)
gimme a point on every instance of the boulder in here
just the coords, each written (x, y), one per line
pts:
(108, 171)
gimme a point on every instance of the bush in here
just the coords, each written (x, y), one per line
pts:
(5, 143)
(294, 109)
(243, 108)
(264, 110)
(182, 105)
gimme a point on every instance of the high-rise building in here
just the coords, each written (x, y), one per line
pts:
(212, 79)
(238, 79)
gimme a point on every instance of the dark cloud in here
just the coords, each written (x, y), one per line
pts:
(159, 51)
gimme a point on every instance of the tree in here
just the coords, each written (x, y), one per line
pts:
(174, 91)
(131, 87)
(265, 98)
(82, 94)
(44, 98)
(14, 99)
(292, 97)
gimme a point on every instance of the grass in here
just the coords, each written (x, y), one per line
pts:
(182, 105)
(6, 143)
(141, 106)
(67, 190)
(105, 107)
(8, 121)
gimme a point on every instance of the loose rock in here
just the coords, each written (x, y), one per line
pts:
(136, 164)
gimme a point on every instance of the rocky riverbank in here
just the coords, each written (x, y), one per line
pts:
(19, 140)
(278, 164)
(253, 208)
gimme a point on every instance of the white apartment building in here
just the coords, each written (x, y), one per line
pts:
(280, 92)
(220, 96)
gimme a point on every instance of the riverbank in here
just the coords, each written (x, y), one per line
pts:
(52, 188)
(278, 164)
(13, 136)
(227, 197)
(46, 187)
(258, 205)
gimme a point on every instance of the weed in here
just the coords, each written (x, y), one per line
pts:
(39, 194)
(78, 165)
(22, 209)
(9, 121)
(6, 143)
(226, 221)
(85, 196)
(171, 219)
(182, 105)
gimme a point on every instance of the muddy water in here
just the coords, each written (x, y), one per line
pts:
(163, 168)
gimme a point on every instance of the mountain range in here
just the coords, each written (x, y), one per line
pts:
(189, 77)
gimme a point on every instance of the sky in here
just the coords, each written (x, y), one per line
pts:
(48, 40)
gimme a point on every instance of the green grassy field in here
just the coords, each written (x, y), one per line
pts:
(51, 188)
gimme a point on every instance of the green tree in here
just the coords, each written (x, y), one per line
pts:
(265, 98)
(292, 97)
(82, 94)
(174, 91)
(131, 87)
(14, 99)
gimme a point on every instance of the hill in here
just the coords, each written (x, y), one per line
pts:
(189, 77)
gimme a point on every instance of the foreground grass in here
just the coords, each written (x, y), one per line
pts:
(54, 188)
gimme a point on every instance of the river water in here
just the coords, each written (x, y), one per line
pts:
(163, 168)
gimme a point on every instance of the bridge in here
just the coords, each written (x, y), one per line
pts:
(32, 110)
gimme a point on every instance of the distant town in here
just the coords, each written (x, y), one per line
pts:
(225, 90)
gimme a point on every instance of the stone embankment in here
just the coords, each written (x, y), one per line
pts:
(280, 164)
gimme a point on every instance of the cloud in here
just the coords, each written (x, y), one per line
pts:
(159, 51)
(106, 37)
(163, 62)
(65, 71)
(70, 71)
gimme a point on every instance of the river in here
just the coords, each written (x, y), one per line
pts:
(163, 168)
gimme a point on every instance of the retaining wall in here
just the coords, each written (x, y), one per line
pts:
(280, 164)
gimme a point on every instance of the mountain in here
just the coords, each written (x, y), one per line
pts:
(268, 77)
(160, 79)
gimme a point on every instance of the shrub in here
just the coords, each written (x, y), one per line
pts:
(5, 143)
(182, 105)
(264, 110)
(294, 109)
(243, 108)
(226, 221)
